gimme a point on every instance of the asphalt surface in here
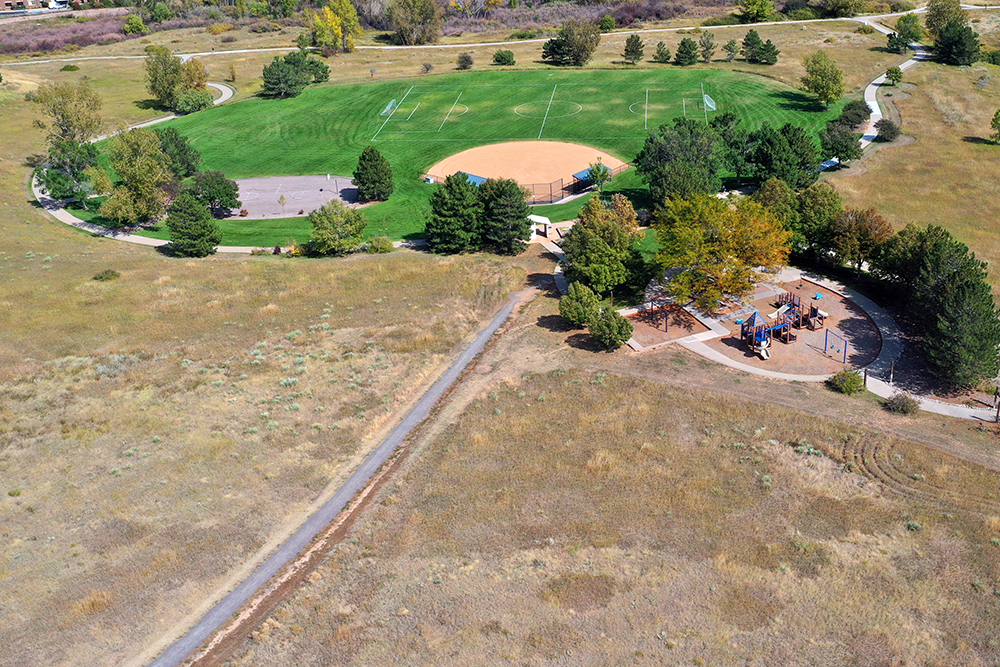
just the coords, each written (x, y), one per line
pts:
(175, 654)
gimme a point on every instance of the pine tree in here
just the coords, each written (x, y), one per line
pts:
(662, 54)
(453, 225)
(579, 305)
(957, 44)
(752, 44)
(505, 226)
(373, 176)
(768, 54)
(687, 52)
(193, 232)
(706, 44)
(634, 49)
(732, 47)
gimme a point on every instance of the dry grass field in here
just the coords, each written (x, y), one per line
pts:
(583, 518)
(949, 175)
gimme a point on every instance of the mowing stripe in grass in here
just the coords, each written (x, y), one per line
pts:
(391, 113)
(545, 117)
(450, 110)
(645, 113)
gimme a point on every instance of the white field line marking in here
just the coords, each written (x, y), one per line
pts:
(645, 114)
(412, 112)
(450, 110)
(552, 97)
(391, 114)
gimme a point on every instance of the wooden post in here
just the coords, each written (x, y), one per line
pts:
(866, 378)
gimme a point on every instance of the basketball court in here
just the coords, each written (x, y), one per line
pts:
(262, 197)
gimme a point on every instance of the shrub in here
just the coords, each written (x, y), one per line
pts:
(803, 14)
(902, 6)
(609, 329)
(728, 19)
(902, 403)
(107, 275)
(991, 57)
(847, 382)
(229, 39)
(379, 245)
(464, 61)
(218, 28)
(244, 213)
(69, 68)
(192, 100)
(629, 13)
(524, 34)
(426, 68)
(579, 305)
(503, 57)
(607, 23)
(134, 25)
(865, 29)
(887, 130)
(265, 26)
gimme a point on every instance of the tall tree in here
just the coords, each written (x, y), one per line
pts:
(942, 12)
(908, 28)
(574, 45)
(453, 225)
(73, 111)
(777, 197)
(712, 250)
(579, 305)
(706, 45)
(216, 192)
(859, 236)
(823, 78)
(687, 52)
(414, 21)
(505, 226)
(957, 44)
(732, 48)
(681, 160)
(598, 246)
(144, 169)
(819, 207)
(373, 176)
(737, 145)
(336, 26)
(634, 49)
(193, 232)
(752, 44)
(184, 158)
(755, 11)
(336, 229)
(840, 142)
(164, 73)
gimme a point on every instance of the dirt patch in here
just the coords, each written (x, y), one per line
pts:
(526, 162)
(659, 325)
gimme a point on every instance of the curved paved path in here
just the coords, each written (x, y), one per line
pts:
(231, 603)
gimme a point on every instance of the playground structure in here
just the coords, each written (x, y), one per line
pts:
(758, 333)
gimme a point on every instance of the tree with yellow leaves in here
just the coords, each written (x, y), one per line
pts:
(335, 27)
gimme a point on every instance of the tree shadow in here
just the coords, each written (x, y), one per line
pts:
(555, 324)
(543, 281)
(639, 197)
(36, 160)
(978, 140)
(584, 341)
(149, 104)
(794, 100)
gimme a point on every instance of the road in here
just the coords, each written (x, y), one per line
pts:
(231, 603)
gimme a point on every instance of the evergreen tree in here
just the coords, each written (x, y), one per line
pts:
(579, 305)
(609, 329)
(193, 232)
(634, 49)
(505, 226)
(216, 192)
(373, 176)
(896, 44)
(453, 225)
(336, 229)
(957, 44)
(282, 79)
(598, 246)
(732, 48)
(768, 53)
(687, 52)
(962, 349)
(752, 45)
(662, 54)
(995, 126)
(706, 45)
(184, 158)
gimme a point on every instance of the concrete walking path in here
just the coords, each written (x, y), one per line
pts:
(215, 618)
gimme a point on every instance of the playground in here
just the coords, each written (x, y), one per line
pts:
(799, 327)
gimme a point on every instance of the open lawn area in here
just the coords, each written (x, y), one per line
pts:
(416, 123)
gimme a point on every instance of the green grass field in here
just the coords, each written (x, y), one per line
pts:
(417, 122)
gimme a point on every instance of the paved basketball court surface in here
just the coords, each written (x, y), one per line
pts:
(303, 194)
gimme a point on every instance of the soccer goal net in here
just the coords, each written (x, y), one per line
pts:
(708, 102)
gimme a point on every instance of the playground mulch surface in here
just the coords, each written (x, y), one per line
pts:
(526, 162)
(649, 329)
(807, 355)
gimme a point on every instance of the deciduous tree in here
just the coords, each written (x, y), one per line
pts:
(755, 11)
(840, 142)
(823, 78)
(908, 28)
(942, 12)
(336, 229)
(574, 45)
(598, 246)
(859, 235)
(681, 160)
(894, 75)
(216, 192)
(711, 249)
(144, 169)
(73, 111)
(414, 21)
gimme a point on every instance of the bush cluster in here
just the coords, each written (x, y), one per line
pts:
(902, 403)
(847, 382)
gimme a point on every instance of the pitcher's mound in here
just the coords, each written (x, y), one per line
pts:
(527, 162)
